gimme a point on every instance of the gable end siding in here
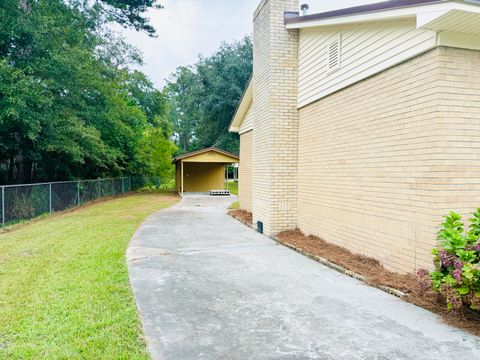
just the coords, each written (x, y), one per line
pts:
(247, 123)
(366, 49)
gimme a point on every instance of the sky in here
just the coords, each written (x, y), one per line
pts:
(189, 28)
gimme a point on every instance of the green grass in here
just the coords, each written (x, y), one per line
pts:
(64, 288)
(235, 206)
(233, 187)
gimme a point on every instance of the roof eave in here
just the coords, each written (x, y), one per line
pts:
(198, 152)
(242, 108)
(373, 12)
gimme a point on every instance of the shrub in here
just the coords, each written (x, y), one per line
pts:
(22, 208)
(457, 273)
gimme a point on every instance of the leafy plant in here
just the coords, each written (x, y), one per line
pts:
(457, 262)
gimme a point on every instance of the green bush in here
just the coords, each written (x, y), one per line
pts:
(457, 273)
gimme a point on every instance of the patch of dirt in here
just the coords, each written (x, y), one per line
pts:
(375, 274)
(242, 216)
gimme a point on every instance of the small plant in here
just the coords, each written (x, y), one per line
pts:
(457, 274)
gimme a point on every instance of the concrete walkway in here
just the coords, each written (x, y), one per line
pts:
(208, 287)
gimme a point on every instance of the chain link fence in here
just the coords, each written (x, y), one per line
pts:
(23, 202)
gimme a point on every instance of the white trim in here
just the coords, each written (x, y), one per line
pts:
(409, 12)
(244, 131)
(242, 109)
(426, 18)
(463, 41)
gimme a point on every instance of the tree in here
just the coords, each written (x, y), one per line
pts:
(155, 152)
(127, 13)
(183, 92)
(142, 93)
(69, 105)
(204, 97)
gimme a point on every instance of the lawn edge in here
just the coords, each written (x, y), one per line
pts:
(144, 338)
(23, 223)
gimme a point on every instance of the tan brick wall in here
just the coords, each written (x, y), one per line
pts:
(245, 171)
(457, 164)
(275, 76)
(381, 161)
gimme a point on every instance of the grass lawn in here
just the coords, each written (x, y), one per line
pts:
(64, 288)
(233, 187)
(235, 206)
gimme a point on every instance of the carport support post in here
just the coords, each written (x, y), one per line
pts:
(181, 165)
(226, 166)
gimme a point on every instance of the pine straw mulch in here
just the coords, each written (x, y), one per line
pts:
(376, 275)
(242, 215)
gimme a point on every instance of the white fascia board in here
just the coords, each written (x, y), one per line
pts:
(425, 18)
(242, 109)
(462, 41)
(428, 12)
(243, 131)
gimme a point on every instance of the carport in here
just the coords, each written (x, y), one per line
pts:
(203, 170)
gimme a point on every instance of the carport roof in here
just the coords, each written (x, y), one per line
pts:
(205, 151)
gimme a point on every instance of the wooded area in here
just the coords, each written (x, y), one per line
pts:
(72, 107)
(204, 97)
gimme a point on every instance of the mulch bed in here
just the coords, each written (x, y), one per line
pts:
(242, 215)
(376, 275)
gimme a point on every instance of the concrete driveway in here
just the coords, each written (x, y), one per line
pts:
(208, 287)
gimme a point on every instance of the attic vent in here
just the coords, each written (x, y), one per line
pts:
(334, 54)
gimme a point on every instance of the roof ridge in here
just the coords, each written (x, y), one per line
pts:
(201, 151)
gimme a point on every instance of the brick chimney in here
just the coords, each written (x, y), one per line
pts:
(275, 135)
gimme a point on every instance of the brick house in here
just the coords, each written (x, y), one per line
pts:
(362, 125)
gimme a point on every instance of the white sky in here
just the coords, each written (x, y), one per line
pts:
(188, 28)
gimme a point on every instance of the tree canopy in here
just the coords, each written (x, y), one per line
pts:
(204, 97)
(70, 106)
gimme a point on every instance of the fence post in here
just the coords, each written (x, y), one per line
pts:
(123, 186)
(50, 198)
(3, 206)
(78, 192)
(98, 189)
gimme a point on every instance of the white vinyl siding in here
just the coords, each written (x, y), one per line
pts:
(247, 123)
(365, 50)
